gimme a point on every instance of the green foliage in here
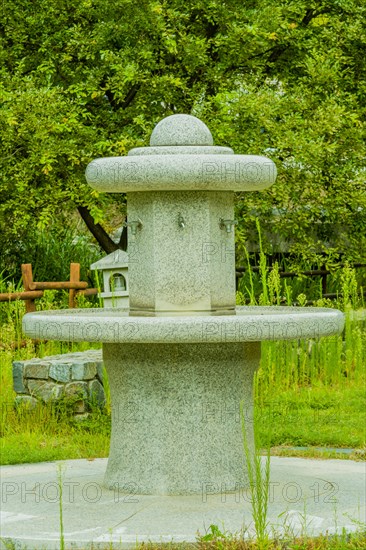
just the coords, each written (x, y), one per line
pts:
(50, 253)
(265, 286)
(83, 79)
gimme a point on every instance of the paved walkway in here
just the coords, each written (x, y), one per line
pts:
(305, 495)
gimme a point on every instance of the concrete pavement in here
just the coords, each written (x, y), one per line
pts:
(306, 495)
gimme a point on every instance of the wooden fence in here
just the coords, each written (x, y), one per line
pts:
(34, 289)
(323, 273)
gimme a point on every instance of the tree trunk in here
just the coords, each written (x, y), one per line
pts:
(98, 232)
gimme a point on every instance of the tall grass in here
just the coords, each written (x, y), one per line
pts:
(306, 375)
(336, 360)
(289, 364)
(51, 253)
(259, 479)
(303, 379)
(267, 288)
(60, 505)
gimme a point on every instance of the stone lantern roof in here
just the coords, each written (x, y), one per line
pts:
(118, 258)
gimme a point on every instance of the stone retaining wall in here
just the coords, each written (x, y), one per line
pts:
(77, 376)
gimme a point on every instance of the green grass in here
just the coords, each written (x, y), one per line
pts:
(51, 252)
(296, 403)
(225, 541)
(307, 393)
(35, 446)
(312, 393)
(47, 432)
(321, 416)
(216, 540)
(355, 541)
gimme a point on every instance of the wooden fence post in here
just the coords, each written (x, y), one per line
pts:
(74, 278)
(27, 276)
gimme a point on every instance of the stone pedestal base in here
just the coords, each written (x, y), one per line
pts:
(176, 416)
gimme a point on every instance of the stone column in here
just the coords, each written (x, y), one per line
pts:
(176, 416)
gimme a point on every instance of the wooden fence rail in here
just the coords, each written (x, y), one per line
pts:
(34, 289)
(12, 296)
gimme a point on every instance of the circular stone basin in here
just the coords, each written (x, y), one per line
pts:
(248, 324)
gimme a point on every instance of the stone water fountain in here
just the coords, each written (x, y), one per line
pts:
(181, 359)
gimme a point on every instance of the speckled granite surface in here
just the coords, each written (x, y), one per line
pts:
(181, 157)
(177, 269)
(181, 130)
(176, 416)
(180, 172)
(250, 323)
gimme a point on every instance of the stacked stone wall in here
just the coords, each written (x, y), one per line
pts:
(77, 377)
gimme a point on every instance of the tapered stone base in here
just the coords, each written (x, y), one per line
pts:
(177, 416)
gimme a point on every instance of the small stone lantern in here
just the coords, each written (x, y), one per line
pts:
(115, 279)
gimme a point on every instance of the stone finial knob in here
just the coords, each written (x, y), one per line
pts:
(181, 130)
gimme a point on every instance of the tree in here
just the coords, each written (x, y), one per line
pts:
(82, 79)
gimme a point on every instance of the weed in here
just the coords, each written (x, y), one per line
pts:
(259, 478)
(60, 486)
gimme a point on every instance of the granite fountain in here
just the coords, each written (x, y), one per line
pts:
(181, 359)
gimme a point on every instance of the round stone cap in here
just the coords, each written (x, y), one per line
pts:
(181, 157)
(181, 130)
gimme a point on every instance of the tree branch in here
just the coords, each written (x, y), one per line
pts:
(281, 48)
(123, 240)
(127, 100)
(111, 99)
(130, 96)
(97, 231)
(309, 15)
